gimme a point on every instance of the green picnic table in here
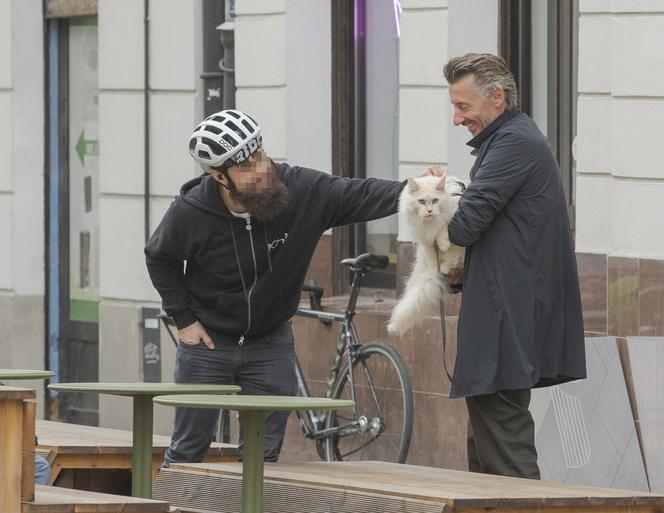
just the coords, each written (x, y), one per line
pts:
(25, 374)
(254, 429)
(142, 394)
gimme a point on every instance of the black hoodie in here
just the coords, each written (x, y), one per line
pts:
(243, 277)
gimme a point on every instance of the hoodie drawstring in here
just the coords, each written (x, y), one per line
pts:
(237, 260)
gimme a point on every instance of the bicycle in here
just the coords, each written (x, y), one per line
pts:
(373, 374)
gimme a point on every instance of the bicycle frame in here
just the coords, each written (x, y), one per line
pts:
(310, 421)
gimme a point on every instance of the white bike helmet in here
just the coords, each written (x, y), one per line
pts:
(226, 137)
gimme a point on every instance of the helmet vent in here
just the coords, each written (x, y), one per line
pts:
(213, 129)
(229, 140)
(215, 147)
(236, 129)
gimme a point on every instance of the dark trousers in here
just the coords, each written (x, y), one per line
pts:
(501, 434)
(260, 366)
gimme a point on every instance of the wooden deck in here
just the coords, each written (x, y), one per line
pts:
(49, 499)
(360, 487)
(73, 446)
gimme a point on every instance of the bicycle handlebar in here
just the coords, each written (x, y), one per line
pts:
(315, 295)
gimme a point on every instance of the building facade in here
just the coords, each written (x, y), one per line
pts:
(98, 98)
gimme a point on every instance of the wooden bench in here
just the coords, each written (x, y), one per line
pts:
(17, 447)
(18, 493)
(370, 486)
(51, 499)
(74, 446)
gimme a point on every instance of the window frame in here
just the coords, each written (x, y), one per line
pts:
(515, 46)
(349, 133)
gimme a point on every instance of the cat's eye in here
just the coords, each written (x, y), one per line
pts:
(434, 201)
(420, 201)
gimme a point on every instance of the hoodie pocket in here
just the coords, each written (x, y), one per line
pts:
(267, 312)
(263, 314)
(233, 313)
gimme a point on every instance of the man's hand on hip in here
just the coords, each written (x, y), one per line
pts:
(193, 334)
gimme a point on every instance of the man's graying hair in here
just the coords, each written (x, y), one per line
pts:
(490, 72)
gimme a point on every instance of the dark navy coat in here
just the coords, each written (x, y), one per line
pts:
(520, 324)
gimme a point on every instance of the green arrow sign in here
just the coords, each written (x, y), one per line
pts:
(85, 147)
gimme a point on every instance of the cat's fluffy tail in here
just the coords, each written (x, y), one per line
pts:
(421, 297)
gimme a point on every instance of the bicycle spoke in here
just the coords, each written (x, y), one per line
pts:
(381, 429)
(371, 440)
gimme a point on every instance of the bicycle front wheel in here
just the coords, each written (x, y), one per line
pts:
(382, 424)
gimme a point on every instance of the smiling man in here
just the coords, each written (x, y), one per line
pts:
(246, 229)
(520, 323)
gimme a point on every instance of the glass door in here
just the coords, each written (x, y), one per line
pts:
(74, 212)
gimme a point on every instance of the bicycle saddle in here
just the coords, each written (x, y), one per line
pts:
(367, 262)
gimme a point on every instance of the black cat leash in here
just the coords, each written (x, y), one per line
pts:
(441, 306)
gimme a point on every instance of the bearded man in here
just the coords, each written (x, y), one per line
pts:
(229, 259)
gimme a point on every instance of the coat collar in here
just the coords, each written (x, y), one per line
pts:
(477, 141)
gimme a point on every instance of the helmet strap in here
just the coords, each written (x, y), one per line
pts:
(231, 185)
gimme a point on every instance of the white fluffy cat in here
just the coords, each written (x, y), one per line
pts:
(428, 203)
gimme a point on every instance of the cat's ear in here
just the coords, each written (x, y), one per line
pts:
(412, 185)
(440, 186)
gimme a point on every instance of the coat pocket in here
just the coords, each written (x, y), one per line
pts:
(489, 290)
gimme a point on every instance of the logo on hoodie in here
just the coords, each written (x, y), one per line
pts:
(275, 243)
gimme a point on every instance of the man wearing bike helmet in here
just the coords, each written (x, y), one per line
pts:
(247, 230)
(520, 323)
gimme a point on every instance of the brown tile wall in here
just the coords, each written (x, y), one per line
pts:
(320, 270)
(651, 298)
(592, 278)
(623, 296)
(439, 436)
(620, 296)
(439, 428)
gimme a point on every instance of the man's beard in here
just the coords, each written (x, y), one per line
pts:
(264, 206)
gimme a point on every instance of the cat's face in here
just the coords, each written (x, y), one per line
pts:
(425, 195)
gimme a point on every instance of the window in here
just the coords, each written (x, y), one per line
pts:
(539, 42)
(365, 91)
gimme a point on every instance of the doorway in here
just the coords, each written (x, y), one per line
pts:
(73, 261)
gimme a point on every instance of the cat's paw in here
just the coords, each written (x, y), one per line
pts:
(396, 328)
(443, 241)
(392, 328)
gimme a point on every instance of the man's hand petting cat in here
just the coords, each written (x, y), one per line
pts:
(455, 276)
(432, 171)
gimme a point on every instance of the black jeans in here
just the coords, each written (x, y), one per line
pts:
(501, 434)
(260, 366)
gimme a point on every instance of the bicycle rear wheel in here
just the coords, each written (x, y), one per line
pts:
(382, 426)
